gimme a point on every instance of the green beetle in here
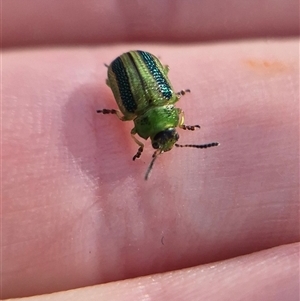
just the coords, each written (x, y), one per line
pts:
(144, 94)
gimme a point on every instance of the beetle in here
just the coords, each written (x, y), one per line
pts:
(144, 94)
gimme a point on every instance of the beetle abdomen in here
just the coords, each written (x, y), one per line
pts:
(139, 81)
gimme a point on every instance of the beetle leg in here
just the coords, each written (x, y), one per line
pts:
(166, 69)
(112, 111)
(183, 126)
(107, 82)
(141, 148)
(189, 127)
(182, 92)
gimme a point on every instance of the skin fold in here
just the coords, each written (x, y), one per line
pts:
(215, 224)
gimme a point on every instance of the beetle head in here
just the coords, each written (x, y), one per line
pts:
(165, 140)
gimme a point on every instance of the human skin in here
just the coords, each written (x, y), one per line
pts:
(77, 212)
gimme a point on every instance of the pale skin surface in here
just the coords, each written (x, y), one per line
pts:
(76, 211)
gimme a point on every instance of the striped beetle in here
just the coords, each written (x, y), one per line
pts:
(144, 94)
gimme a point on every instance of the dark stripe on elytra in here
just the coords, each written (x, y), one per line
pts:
(163, 85)
(142, 81)
(122, 79)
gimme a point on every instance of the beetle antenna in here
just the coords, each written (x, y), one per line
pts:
(154, 157)
(198, 146)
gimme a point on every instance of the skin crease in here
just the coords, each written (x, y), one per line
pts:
(76, 211)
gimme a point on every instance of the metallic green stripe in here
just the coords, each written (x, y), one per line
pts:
(159, 77)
